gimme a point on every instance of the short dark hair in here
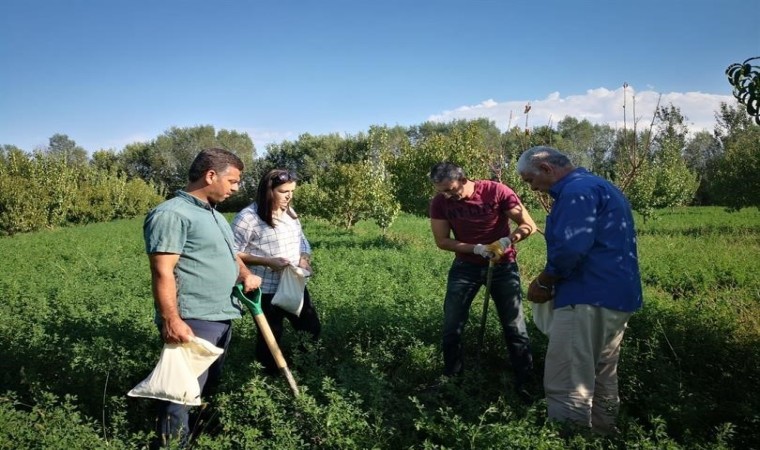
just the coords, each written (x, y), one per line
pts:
(216, 159)
(443, 171)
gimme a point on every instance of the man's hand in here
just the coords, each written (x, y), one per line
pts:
(176, 331)
(539, 293)
(250, 282)
(245, 276)
(306, 266)
(497, 248)
(483, 251)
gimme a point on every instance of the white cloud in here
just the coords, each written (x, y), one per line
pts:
(601, 105)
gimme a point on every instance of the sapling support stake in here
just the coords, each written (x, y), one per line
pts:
(484, 317)
(254, 306)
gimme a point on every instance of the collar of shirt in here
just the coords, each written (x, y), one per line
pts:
(557, 187)
(193, 199)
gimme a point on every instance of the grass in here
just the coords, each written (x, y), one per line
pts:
(76, 333)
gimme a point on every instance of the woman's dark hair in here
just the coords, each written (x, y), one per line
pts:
(271, 180)
(216, 159)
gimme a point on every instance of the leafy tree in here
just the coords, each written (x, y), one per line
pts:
(531, 199)
(10, 155)
(383, 144)
(465, 145)
(166, 160)
(107, 160)
(411, 168)
(60, 146)
(731, 122)
(352, 183)
(309, 156)
(589, 145)
(489, 131)
(546, 135)
(653, 174)
(700, 155)
(356, 191)
(675, 184)
(736, 184)
(702, 149)
(745, 79)
(42, 190)
(178, 146)
(641, 188)
(23, 206)
(238, 143)
(141, 161)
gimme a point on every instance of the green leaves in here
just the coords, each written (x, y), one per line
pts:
(45, 190)
(745, 79)
(77, 330)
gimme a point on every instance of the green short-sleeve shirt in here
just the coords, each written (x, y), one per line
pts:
(207, 268)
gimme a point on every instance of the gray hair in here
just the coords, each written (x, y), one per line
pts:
(534, 156)
(443, 171)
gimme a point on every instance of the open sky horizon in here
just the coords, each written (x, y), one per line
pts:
(111, 73)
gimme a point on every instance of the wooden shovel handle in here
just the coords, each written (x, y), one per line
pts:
(266, 331)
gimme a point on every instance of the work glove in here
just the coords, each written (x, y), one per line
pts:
(483, 251)
(498, 247)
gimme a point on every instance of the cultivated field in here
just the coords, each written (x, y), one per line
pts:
(76, 334)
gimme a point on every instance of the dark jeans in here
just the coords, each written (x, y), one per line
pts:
(308, 322)
(464, 282)
(173, 418)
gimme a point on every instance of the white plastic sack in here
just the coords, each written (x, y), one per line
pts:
(175, 377)
(289, 295)
(542, 315)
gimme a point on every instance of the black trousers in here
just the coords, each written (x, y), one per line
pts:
(308, 322)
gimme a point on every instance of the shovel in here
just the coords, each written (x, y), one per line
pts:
(254, 305)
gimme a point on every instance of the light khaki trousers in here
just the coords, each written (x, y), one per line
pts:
(580, 376)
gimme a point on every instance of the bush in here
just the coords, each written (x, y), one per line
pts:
(42, 191)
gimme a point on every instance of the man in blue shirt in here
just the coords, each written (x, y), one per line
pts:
(592, 275)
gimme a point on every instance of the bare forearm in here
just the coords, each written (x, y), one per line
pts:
(243, 270)
(253, 260)
(453, 245)
(165, 296)
(522, 231)
(525, 224)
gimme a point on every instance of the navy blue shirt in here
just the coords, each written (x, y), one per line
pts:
(591, 244)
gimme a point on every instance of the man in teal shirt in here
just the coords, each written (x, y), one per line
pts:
(193, 270)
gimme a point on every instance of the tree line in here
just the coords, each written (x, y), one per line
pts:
(374, 175)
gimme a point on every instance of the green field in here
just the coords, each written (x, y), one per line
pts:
(76, 334)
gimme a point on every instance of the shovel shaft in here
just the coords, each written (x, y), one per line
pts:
(254, 306)
(266, 331)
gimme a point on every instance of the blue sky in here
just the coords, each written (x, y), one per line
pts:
(111, 72)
